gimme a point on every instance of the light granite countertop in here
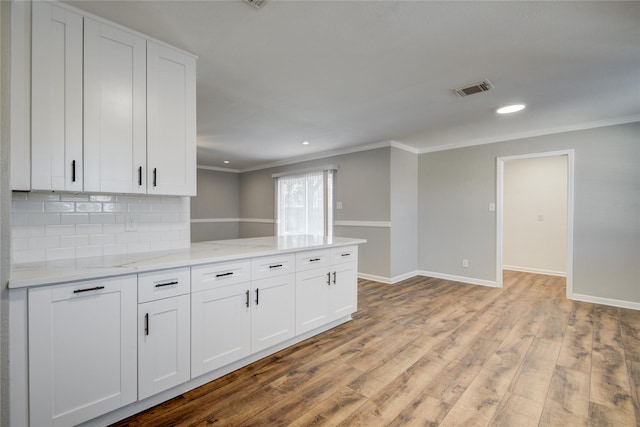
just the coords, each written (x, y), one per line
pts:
(54, 272)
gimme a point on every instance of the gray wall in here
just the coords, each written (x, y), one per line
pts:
(5, 211)
(455, 187)
(362, 184)
(404, 212)
(218, 198)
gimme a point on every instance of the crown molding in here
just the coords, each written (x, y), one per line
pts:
(531, 134)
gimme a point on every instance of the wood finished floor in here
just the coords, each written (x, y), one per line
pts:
(430, 352)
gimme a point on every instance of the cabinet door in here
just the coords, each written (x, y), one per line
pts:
(344, 289)
(171, 119)
(82, 350)
(273, 312)
(114, 109)
(163, 344)
(312, 299)
(56, 99)
(220, 327)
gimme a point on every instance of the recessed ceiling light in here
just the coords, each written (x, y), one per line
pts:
(226, 162)
(510, 108)
(305, 142)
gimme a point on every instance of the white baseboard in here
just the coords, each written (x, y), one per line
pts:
(535, 270)
(469, 280)
(388, 280)
(605, 301)
(396, 279)
(374, 278)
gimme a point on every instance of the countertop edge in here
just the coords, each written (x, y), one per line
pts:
(149, 265)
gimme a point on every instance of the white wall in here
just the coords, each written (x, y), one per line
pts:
(535, 215)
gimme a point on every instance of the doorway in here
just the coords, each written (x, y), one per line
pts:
(500, 212)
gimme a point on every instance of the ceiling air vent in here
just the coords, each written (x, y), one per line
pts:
(482, 86)
(256, 3)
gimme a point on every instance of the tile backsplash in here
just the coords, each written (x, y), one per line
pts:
(51, 226)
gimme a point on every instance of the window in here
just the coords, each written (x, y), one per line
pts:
(304, 204)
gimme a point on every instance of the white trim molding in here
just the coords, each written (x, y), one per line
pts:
(378, 224)
(214, 168)
(500, 161)
(535, 271)
(531, 134)
(388, 280)
(605, 301)
(303, 171)
(462, 279)
(253, 220)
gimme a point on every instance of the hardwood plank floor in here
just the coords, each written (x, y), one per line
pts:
(429, 352)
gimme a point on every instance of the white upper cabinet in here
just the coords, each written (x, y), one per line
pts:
(114, 109)
(171, 121)
(56, 99)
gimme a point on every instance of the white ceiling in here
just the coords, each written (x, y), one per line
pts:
(346, 73)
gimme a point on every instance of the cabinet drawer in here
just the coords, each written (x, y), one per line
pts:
(163, 284)
(313, 259)
(271, 266)
(211, 276)
(345, 254)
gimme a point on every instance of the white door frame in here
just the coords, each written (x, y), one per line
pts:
(500, 213)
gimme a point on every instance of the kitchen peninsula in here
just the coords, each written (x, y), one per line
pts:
(107, 337)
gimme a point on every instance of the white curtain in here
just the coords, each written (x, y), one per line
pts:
(305, 203)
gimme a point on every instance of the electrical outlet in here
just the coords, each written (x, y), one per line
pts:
(131, 222)
(338, 205)
(465, 263)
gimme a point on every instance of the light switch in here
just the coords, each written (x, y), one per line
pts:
(338, 205)
(492, 207)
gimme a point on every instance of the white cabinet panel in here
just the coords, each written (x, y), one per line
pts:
(312, 299)
(163, 344)
(220, 327)
(114, 109)
(273, 311)
(271, 266)
(163, 284)
(328, 293)
(344, 289)
(210, 276)
(56, 99)
(82, 350)
(171, 120)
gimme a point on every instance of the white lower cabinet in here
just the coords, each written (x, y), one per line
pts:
(96, 346)
(233, 317)
(326, 293)
(219, 327)
(273, 311)
(164, 330)
(82, 350)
